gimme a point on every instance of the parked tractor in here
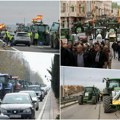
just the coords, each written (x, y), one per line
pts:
(43, 31)
(54, 35)
(111, 94)
(90, 95)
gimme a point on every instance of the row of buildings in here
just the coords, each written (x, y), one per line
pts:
(83, 11)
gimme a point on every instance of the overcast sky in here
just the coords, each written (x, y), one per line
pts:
(40, 62)
(87, 76)
(12, 12)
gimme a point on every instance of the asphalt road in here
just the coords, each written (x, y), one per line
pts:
(47, 108)
(87, 111)
(46, 49)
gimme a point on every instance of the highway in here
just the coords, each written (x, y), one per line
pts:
(48, 108)
(88, 111)
(43, 49)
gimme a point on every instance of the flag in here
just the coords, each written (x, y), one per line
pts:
(39, 17)
(34, 20)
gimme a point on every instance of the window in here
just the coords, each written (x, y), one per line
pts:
(72, 8)
(64, 7)
(55, 26)
(81, 8)
(2, 79)
(113, 84)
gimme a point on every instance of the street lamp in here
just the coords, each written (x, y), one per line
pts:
(48, 78)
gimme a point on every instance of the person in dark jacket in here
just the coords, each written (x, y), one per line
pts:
(115, 49)
(118, 51)
(98, 57)
(67, 57)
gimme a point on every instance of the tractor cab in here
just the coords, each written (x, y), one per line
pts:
(43, 31)
(111, 94)
(112, 28)
(99, 34)
(54, 35)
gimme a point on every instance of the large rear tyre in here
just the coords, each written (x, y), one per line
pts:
(80, 100)
(106, 104)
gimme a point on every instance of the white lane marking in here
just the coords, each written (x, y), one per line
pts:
(15, 49)
(43, 108)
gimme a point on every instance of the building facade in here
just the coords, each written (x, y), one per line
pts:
(74, 11)
(71, 12)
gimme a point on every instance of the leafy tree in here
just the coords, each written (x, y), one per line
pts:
(14, 64)
(55, 75)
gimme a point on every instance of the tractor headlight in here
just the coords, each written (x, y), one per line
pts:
(28, 110)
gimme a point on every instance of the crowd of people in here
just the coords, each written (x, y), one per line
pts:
(97, 55)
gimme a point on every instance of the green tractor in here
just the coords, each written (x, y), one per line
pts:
(43, 31)
(90, 95)
(54, 35)
(111, 95)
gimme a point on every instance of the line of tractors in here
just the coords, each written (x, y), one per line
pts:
(9, 83)
(110, 95)
(107, 28)
(47, 35)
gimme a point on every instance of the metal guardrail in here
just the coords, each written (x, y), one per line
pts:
(65, 100)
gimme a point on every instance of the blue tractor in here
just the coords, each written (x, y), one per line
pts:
(5, 85)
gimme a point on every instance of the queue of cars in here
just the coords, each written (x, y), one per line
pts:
(22, 104)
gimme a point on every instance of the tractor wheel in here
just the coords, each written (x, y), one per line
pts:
(80, 100)
(94, 99)
(106, 104)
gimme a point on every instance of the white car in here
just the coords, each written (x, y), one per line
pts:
(22, 38)
(44, 88)
(33, 96)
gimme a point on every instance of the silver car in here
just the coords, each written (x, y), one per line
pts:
(33, 96)
(18, 105)
(37, 90)
(22, 38)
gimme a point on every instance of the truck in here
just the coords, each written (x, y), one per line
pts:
(54, 35)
